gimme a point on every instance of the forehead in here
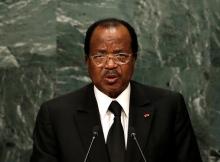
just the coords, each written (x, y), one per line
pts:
(112, 33)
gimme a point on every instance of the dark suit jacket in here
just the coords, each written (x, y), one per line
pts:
(64, 126)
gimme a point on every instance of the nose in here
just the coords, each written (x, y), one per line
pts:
(110, 63)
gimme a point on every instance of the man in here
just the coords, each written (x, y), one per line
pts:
(115, 109)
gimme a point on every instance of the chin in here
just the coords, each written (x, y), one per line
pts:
(114, 92)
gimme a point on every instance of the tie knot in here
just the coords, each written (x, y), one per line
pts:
(115, 108)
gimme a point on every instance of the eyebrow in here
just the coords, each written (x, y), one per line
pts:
(114, 52)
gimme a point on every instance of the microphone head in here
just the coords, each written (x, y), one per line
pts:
(131, 132)
(95, 130)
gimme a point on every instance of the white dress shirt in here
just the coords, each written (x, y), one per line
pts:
(106, 116)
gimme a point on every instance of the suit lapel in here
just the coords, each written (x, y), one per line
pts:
(86, 117)
(141, 115)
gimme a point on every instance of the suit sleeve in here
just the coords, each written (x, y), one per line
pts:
(44, 141)
(186, 145)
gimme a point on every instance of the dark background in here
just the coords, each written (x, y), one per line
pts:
(41, 56)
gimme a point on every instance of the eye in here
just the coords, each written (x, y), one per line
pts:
(122, 57)
(98, 56)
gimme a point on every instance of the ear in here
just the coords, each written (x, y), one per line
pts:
(134, 59)
(86, 59)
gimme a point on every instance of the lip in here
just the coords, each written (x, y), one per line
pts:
(111, 79)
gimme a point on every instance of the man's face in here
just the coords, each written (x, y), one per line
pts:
(111, 78)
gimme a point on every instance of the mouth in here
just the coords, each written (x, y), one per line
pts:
(111, 79)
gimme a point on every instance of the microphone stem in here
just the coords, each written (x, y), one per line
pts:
(142, 154)
(87, 154)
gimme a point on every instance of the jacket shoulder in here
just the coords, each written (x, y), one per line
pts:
(154, 93)
(73, 98)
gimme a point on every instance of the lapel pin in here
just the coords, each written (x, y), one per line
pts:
(146, 114)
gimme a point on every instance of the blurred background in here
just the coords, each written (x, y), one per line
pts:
(41, 56)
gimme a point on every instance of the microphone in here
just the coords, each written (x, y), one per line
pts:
(95, 131)
(133, 135)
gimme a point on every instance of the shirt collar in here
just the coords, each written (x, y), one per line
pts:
(104, 101)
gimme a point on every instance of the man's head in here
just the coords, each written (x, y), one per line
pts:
(111, 22)
(111, 49)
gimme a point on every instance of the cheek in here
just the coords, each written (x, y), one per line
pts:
(127, 72)
(94, 73)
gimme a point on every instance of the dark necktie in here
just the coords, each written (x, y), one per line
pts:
(115, 139)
